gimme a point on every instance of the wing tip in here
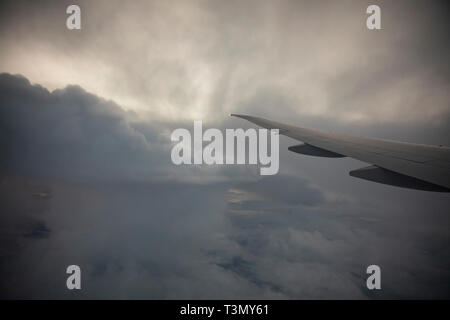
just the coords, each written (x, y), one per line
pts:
(238, 115)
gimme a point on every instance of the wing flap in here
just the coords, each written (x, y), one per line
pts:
(380, 175)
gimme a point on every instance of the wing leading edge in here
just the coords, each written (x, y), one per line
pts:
(402, 164)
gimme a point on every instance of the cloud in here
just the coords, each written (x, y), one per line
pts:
(84, 182)
(191, 60)
(70, 133)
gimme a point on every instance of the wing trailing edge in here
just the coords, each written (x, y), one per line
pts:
(309, 150)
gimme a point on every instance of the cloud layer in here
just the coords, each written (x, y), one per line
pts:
(200, 59)
(84, 182)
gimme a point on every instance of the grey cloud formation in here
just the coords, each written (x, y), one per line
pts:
(70, 133)
(85, 182)
(137, 232)
(199, 59)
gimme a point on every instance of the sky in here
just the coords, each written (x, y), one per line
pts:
(86, 176)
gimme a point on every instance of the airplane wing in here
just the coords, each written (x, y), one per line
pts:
(408, 165)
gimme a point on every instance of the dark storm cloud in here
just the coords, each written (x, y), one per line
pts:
(70, 133)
